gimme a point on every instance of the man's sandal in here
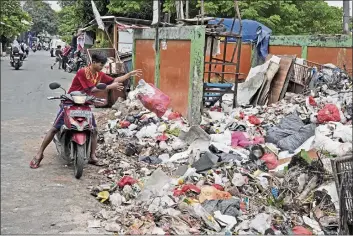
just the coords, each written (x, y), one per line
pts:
(34, 164)
(95, 163)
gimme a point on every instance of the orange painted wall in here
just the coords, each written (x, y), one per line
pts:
(245, 61)
(336, 56)
(145, 59)
(285, 50)
(175, 73)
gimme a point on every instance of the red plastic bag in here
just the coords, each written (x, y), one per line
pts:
(174, 115)
(219, 187)
(186, 188)
(330, 112)
(162, 137)
(271, 160)
(124, 124)
(152, 98)
(126, 180)
(312, 101)
(191, 187)
(254, 120)
(300, 230)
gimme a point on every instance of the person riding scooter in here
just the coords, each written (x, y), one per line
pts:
(16, 48)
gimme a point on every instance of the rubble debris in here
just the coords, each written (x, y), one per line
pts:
(247, 170)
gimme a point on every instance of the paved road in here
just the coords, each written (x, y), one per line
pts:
(48, 200)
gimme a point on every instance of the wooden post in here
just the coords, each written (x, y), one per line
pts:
(115, 37)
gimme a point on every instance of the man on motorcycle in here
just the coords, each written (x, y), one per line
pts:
(85, 81)
(16, 48)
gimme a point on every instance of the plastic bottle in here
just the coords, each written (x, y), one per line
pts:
(206, 217)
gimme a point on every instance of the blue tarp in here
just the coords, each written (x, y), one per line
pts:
(252, 31)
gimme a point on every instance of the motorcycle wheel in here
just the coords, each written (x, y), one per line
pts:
(17, 66)
(79, 160)
(69, 67)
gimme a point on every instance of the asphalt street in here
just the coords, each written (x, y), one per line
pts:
(48, 200)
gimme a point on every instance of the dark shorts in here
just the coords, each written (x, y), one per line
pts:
(59, 121)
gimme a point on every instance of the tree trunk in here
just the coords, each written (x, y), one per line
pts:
(187, 9)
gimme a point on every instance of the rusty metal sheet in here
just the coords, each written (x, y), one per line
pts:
(280, 79)
(175, 73)
(145, 59)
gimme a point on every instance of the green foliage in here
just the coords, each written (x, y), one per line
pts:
(68, 22)
(284, 17)
(43, 16)
(131, 8)
(84, 12)
(66, 3)
(304, 154)
(77, 14)
(102, 44)
(13, 16)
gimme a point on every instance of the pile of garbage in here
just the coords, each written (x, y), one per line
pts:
(252, 170)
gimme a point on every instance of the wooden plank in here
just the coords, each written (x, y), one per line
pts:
(280, 79)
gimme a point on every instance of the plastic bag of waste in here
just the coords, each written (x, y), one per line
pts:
(300, 230)
(154, 186)
(343, 132)
(292, 142)
(261, 223)
(330, 112)
(289, 125)
(271, 160)
(321, 142)
(206, 217)
(211, 193)
(152, 98)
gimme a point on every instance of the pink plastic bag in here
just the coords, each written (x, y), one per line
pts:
(242, 139)
(300, 230)
(152, 98)
(271, 160)
(329, 113)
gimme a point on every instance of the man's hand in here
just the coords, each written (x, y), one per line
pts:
(116, 86)
(121, 79)
(137, 73)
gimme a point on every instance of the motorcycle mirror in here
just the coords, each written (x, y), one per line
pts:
(101, 86)
(54, 85)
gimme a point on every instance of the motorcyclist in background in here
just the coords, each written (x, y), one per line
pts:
(16, 48)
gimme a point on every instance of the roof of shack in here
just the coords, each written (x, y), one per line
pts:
(123, 22)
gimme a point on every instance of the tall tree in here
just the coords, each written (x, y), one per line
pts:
(14, 18)
(85, 12)
(68, 22)
(43, 16)
(66, 3)
(144, 9)
(284, 17)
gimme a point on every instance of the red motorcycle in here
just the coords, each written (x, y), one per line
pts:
(73, 141)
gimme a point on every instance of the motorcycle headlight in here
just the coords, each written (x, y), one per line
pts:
(79, 99)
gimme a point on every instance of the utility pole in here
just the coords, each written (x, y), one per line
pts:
(346, 16)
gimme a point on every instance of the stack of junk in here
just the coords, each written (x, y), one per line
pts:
(269, 168)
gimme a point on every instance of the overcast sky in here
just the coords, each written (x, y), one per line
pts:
(337, 3)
